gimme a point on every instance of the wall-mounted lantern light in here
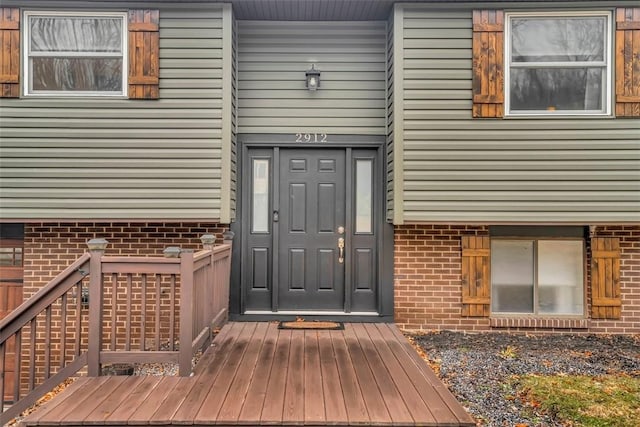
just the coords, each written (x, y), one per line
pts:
(313, 78)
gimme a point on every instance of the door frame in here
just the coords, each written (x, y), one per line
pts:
(384, 236)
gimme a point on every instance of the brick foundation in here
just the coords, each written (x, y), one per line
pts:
(50, 247)
(428, 290)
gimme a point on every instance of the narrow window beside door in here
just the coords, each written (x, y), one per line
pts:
(364, 196)
(260, 197)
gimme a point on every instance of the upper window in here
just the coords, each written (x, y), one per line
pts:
(75, 53)
(558, 63)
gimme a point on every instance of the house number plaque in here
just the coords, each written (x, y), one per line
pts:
(311, 137)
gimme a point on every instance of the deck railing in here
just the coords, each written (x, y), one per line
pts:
(106, 310)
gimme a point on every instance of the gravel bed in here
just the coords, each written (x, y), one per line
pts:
(480, 368)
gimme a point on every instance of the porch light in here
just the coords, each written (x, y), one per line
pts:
(313, 78)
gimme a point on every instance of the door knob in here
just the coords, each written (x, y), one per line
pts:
(341, 250)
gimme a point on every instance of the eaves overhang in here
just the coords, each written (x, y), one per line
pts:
(324, 10)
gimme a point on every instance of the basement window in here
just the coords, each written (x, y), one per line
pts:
(558, 63)
(75, 53)
(537, 276)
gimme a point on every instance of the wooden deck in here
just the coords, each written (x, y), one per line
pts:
(256, 374)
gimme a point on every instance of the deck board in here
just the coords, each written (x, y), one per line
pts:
(335, 411)
(357, 413)
(68, 394)
(256, 374)
(223, 380)
(254, 400)
(61, 413)
(99, 396)
(274, 399)
(293, 412)
(376, 404)
(132, 401)
(398, 411)
(314, 397)
(111, 403)
(407, 390)
(159, 395)
(237, 392)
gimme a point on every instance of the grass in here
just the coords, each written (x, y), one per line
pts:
(604, 401)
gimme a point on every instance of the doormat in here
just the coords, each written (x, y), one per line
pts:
(321, 325)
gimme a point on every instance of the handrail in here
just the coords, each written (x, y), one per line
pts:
(45, 296)
(28, 318)
(201, 305)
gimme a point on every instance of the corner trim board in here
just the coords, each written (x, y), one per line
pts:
(227, 105)
(398, 112)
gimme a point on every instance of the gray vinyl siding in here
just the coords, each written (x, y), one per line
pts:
(273, 58)
(234, 120)
(390, 122)
(459, 169)
(116, 158)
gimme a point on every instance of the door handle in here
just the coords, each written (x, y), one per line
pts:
(341, 250)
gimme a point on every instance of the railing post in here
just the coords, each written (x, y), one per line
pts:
(186, 312)
(210, 295)
(96, 248)
(227, 237)
(208, 241)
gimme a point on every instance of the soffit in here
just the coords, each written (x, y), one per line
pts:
(363, 10)
(322, 10)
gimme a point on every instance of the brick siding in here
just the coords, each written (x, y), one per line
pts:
(51, 247)
(428, 290)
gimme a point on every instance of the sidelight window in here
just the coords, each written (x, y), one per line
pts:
(364, 196)
(260, 196)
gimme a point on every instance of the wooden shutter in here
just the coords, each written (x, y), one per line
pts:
(605, 278)
(628, 62)
(476, 277)
(10, 55)
(488, 63)
(144, 50)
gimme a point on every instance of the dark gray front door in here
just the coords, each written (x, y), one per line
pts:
(310, 230)
(312, 208)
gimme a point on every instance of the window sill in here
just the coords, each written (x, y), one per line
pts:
(542, 116)
(537, 322)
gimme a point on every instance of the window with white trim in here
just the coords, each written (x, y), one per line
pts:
(75, 53)
(537, 276)
(558, 63)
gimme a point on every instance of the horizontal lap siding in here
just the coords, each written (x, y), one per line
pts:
(273, 58)
(234, 120)
(115, 158)
(390, 121)
(461, 169)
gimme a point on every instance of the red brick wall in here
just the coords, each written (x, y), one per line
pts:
(428, 291)
(50, 247)
(629, 281)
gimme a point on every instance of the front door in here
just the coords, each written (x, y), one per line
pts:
(310, 230)
(312, 220)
